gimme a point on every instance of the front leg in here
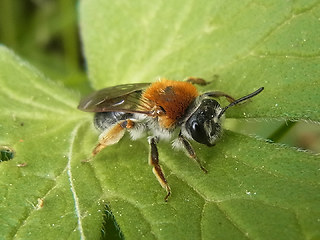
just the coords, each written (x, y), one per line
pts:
(157, 171)
(217, 94)
(200, 81)
(196, 80)
(190, 151)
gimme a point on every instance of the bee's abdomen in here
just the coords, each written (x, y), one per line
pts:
(103, 120)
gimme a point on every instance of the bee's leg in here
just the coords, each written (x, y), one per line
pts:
(112, 135)
(220, 94)
(154, 161)
(196, 80)
(200, 81)
(191, 153)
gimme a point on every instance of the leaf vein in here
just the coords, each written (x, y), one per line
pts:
(136, 206)
(35, 83)
(270, 172)
(70, 178)
(232, 221)
(28, 101)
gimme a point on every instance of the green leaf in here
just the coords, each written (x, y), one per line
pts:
(45, 187)
(248, 44)
(245, 194)
(254, 189)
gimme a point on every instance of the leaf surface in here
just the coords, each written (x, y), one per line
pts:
(254, 189)
(45, 187)
(239, 46)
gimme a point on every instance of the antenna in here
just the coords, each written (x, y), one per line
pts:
(240, 100)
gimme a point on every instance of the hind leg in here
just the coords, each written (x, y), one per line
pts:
(112, 135)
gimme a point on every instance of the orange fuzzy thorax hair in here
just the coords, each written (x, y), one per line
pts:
(173, 96)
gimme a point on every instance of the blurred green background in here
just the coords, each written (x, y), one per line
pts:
(46, 33)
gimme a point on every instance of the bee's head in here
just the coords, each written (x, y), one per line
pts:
(203, 123)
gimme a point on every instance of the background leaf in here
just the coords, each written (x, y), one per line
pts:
(254, 189)
(248, 44)
(45, 187)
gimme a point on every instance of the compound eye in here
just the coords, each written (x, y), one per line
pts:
(198, 133)
(201, 125)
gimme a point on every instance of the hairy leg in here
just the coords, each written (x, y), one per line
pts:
(190, 151)
(111, 136)
(154, 162)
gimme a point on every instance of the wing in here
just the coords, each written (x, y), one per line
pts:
(121, 98)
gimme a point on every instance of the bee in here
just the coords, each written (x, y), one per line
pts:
(165, 110)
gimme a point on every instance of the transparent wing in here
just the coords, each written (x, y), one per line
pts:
(121, 98)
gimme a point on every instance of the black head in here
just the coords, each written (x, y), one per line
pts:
(203, 125)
